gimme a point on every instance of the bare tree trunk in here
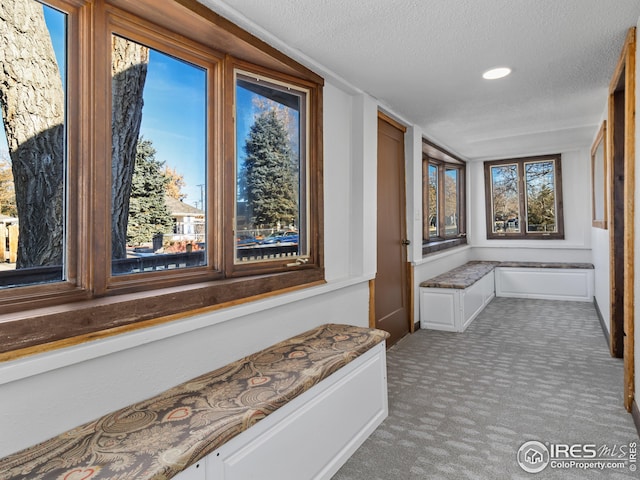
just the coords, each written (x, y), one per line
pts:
(129, 70)
(32, 100)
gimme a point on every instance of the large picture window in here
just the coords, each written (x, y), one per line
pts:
(524, 198)
(159, 160)
(443, 202)
(173, 171)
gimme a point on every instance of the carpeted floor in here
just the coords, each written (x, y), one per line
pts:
(462, 404)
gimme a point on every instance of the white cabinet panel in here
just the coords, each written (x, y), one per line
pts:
(196, 471)
(439, 308)
(473, 303)
(545, 283)
(453, 309)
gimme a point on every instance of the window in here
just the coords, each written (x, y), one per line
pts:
(159, 159)
(271, 153)
(524, 198)
(442, 199)
(150, 180)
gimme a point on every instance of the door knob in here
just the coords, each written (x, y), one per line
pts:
(406, 242)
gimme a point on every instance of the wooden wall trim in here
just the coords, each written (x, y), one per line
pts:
(130, 327)
(391, 121)
(629, 240)
(372, 304)
(622, 87)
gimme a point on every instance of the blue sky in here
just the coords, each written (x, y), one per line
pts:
(174, 117)
(174, 112)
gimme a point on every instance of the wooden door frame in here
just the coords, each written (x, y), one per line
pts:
(409, 268)
(622, 333)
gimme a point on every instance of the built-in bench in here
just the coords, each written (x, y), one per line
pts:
(452, 300)
(545, 280)
(296, 410)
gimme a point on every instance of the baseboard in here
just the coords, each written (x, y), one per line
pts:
(602, 324)
(416, 326)
(635, 413)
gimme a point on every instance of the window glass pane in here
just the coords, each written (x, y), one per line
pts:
(32, 145)
(270, 200)
(505, 199)
(541, 197)
(159, 106)
(451, 202)
(433, 201)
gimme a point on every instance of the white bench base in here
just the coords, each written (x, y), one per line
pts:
(313, 435)
(545, 283)
(453, 309)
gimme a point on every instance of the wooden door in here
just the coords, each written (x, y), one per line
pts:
(392, 312)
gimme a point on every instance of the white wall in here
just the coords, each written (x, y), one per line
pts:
(600, 250)
(338, 177)
(363, 187)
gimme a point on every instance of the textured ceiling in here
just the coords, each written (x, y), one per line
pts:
(423, 59)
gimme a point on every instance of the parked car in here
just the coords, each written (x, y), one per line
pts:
(245, 240)
(289, 237)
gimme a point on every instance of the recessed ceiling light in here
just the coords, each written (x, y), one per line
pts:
(495, 73)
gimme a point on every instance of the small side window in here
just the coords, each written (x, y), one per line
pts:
(443, 199)
(271, 221)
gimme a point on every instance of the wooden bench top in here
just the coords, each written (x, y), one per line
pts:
(159, 437)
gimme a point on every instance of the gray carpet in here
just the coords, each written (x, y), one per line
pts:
(462, 404)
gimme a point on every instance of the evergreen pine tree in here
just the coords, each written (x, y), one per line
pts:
(148, 212)
(270, 174)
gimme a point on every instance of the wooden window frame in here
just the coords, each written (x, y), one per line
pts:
(312, 258)
(433, 155)
(523, 234)
(92, 303)
(599, 221)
